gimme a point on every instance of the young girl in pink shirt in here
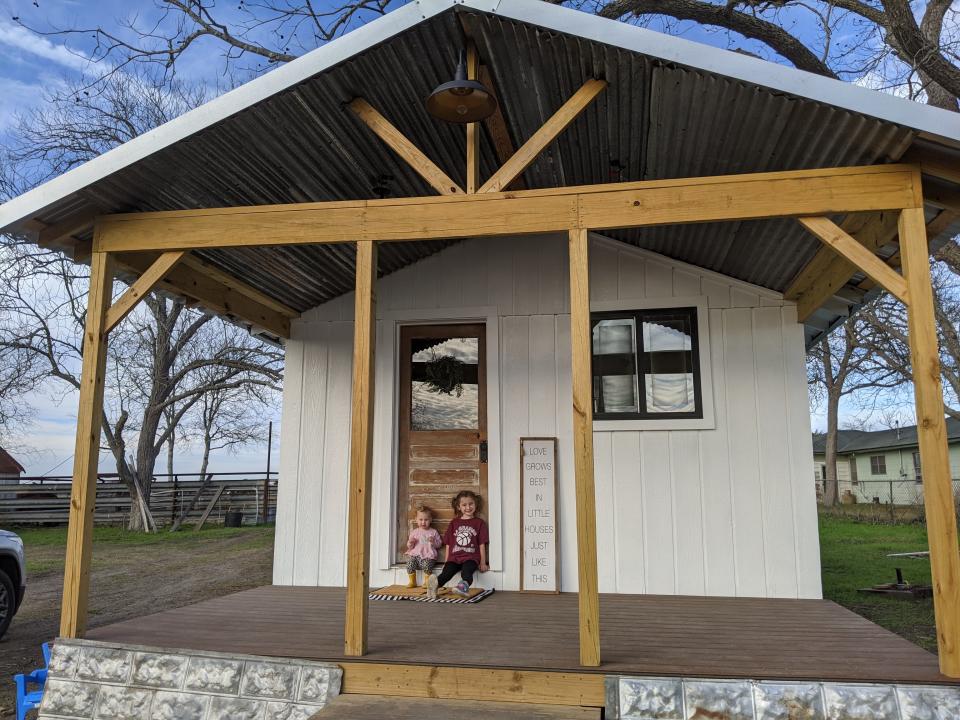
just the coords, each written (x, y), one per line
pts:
(422, 547)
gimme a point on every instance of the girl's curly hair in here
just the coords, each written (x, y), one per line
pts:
(466, 494)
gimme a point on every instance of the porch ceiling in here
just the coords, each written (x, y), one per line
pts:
(656, 120)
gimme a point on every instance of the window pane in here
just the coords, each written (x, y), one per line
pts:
(668, 344)
(444, 390)
(615, 366)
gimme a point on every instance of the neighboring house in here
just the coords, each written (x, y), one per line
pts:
(639, 281)
(10, 469)
(875, 466)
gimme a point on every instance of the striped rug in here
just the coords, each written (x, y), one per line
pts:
(401, 592)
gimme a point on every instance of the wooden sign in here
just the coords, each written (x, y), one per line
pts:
(539, 530)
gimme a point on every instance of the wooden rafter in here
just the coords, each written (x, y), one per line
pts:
(144, 284)
(847, 247)
(937, 226)
(499, 132)
(827, 272)
(410, 153)
(598, 207)
(240, 287)
(547, 133)
(933, 165)
(54, 235)
(193, 284)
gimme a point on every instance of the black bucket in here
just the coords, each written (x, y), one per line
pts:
(233, 518)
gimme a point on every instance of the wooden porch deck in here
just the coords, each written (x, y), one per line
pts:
(640, 635)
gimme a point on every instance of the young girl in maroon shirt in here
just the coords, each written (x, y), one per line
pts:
(466, 540)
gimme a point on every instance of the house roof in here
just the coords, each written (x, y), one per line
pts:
(9, 466)
(851, 441)
(673, 109)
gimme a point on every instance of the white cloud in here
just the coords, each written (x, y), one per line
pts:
(18, 37)
(17, 95)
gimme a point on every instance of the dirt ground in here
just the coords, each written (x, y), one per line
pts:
(131, 576)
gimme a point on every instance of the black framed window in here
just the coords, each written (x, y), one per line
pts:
(878, 464)
(646, 365)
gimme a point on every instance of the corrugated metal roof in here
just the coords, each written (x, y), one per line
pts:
(656, 120)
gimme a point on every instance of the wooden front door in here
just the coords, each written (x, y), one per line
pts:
(443, 421)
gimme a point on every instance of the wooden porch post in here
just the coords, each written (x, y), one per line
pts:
(83, 493)
(938, 497)
(580, 338)
(361, 451)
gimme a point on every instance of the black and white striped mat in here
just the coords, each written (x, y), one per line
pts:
(450, 598)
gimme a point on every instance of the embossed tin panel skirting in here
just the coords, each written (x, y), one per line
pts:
(634, 698)
(93, 680)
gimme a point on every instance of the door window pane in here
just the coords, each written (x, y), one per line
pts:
(444, 384)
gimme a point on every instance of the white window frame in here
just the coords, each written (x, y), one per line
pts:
(701, 303)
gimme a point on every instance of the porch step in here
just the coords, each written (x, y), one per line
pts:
(388, 707)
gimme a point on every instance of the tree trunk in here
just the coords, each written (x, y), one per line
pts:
(831, 490)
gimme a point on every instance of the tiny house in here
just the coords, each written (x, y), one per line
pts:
(589, 304)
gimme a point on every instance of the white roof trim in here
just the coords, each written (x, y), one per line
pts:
(924, 118)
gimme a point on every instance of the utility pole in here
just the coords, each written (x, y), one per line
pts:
(266, 479)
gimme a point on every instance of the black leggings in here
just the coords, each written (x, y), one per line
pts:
(466, 570)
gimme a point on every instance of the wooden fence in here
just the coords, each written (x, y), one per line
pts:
(47, 500)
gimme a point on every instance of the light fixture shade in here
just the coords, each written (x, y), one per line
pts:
(461, 100)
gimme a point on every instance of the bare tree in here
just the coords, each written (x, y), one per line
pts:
(839, 366)
(879, 40)
(883, 329)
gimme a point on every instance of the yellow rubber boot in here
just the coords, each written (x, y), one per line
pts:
(412, 580)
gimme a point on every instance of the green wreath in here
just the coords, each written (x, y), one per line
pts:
(445, 375)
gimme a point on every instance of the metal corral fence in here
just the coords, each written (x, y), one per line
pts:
(46, 500)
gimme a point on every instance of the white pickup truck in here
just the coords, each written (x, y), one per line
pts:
(13, 577)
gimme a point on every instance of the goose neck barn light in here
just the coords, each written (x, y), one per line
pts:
(461, 100)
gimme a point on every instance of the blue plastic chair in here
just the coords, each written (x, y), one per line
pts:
(30, 699)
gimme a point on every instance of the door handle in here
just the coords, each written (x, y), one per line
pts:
(483, 451)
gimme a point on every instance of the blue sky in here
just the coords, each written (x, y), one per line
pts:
(31, 64)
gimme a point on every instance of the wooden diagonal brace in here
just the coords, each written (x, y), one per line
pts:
(828, 272)
(547, 133)
(847, 247)
(398, 142)
(144, 284)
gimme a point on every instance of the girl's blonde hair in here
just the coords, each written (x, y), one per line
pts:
(421, 508)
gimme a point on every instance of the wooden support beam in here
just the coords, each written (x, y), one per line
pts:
(835, 238)
(474, 683)
(188, 281)
(144, 284)
(547, 133)
(827, 273)
(76, 580)
(361, 451)
(599, 207)
(398, 142)
(938, 497)
(499, 132)
(473, 129)
(580, 337)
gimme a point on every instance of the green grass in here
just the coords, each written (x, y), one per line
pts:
(54, 537)
(854, 555)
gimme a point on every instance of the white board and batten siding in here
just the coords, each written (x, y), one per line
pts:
(724, 507)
